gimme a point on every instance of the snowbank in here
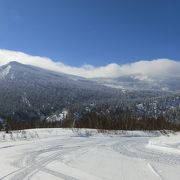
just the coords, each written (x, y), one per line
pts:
(31, 134)
(169, 143)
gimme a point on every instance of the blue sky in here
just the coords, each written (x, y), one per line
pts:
(96, 32)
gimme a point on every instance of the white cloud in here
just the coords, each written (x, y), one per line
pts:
(143, 69)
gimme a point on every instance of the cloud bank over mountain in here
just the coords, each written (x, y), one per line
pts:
(142, 69)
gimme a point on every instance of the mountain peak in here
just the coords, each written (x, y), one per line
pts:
(14, 63)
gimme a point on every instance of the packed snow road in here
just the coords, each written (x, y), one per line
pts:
(62, 154)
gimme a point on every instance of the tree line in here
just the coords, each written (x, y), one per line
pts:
(97, 118)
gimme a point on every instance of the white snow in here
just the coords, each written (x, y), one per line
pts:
(86, 155)
(169, 143)
(57, 117)
(5, 72)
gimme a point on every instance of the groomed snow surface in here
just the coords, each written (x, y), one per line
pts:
(87, 155)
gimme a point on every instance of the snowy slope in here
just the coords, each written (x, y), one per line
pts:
(29, 92)
(169, 143)
(85, 155)
(5, 72)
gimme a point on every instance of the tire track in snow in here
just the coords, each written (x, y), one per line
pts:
(57, 174)
(135, 147)
(33, 162)
(154, 171)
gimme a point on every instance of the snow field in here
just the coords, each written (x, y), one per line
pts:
(87, 155)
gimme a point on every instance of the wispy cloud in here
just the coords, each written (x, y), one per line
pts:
(145, 69)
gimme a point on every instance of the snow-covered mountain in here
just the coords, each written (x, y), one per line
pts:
(28, 92)
(33, 91)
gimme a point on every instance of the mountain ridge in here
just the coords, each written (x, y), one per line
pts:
(29, 92)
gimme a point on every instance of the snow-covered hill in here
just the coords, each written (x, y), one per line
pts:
(29, 92)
